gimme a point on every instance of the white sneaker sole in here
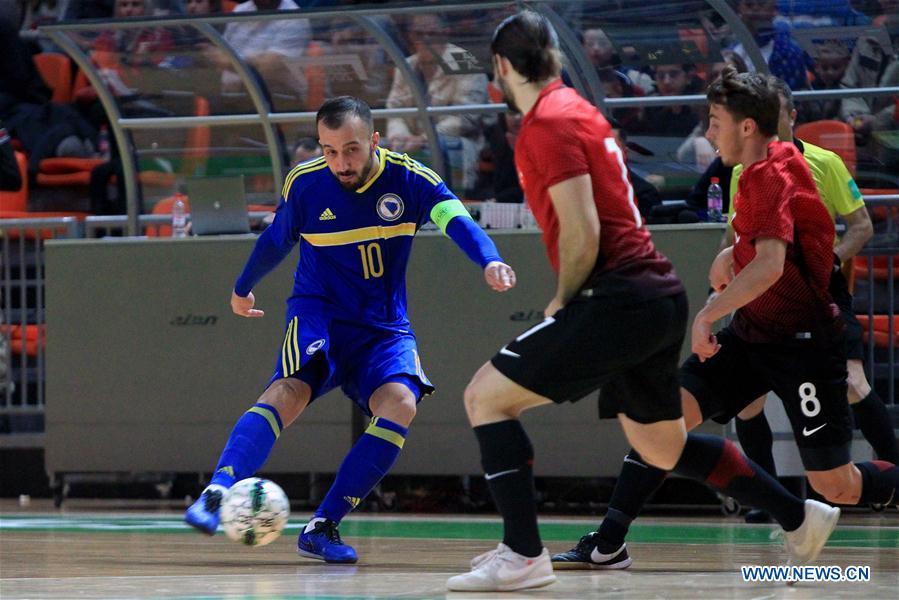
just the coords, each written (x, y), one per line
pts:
(507, 587)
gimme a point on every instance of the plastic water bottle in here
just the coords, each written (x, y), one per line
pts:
(179, 217)
(715, 203)
(103, 143)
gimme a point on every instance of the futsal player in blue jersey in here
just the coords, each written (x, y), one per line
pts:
(354, 212)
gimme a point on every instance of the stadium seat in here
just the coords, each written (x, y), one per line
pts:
(835, 136)
(881, 330)
(17, 200)
(66, 171)
(56, 71)
(26, 338)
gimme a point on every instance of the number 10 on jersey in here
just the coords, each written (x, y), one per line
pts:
(372, 262)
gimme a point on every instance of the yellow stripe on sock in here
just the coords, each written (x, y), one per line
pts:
(268, 416)
(385, 434)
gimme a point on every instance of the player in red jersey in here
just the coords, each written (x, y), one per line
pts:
(616, 322)
(786, 335)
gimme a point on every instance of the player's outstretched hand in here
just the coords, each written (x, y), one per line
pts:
(244, 306)
(705, 345)
(499, 276)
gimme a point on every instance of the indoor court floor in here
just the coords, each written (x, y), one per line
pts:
(116, 552)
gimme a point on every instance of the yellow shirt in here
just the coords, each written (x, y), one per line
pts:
(838, 190)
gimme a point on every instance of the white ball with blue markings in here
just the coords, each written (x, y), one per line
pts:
(254, 511)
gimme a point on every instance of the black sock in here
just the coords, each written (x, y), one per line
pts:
(635, 485)
(507, 457)
(876, 425)
(720, 464)
(757, 440)
(880, 482)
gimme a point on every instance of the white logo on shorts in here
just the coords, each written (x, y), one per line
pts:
(807, 432)
(315, 347)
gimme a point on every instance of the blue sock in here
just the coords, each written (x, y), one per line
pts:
(367, 462)
(248, 447)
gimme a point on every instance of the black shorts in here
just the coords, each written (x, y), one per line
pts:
(839, 291)
(809, 376)
(631, 352)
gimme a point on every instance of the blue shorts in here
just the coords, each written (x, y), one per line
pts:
(326, 353)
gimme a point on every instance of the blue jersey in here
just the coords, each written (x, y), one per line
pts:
(354, 245)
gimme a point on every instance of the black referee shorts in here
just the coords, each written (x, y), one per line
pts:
(630, 351)
(808, 375)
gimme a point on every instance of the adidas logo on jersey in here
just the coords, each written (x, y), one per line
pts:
(327, 215)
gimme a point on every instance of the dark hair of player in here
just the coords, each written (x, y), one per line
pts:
(529, 42)
(336, 111)
(747, 96)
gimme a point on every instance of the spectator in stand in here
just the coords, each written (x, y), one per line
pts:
(305, 149)
(451, 76)
(696, 149)
(118, 50)
(831, 61)
(602, 55)
(44, 129)
(270, 48)
(821, 13)
(672, 79)
(874, 63)
(785, 58)
(366, 71)
(196, 8)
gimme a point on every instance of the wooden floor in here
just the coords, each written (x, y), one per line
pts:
(78, 553)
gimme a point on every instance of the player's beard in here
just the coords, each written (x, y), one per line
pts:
(507, 94)
(358, 182)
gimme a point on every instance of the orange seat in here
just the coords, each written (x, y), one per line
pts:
(66, 171)
(881, 330)
(17, 200)
(56, 71)
(835, 136)
(880, 267)
(27, 339)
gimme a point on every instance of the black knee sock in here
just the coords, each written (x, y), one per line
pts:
(507, 457)
(757, 440)
(635, 485)
(880, 482)
(719, 463)
(875, 423)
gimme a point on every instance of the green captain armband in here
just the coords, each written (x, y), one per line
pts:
(443, 213)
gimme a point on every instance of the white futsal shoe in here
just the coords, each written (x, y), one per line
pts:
(503, 570)
(805, 543)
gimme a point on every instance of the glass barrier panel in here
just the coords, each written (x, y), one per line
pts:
(167, 157)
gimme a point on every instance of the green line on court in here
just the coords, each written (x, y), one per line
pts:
(657, 533)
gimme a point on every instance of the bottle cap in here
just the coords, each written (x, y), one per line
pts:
(714, 180)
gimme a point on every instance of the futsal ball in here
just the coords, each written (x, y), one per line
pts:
(254, 511)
